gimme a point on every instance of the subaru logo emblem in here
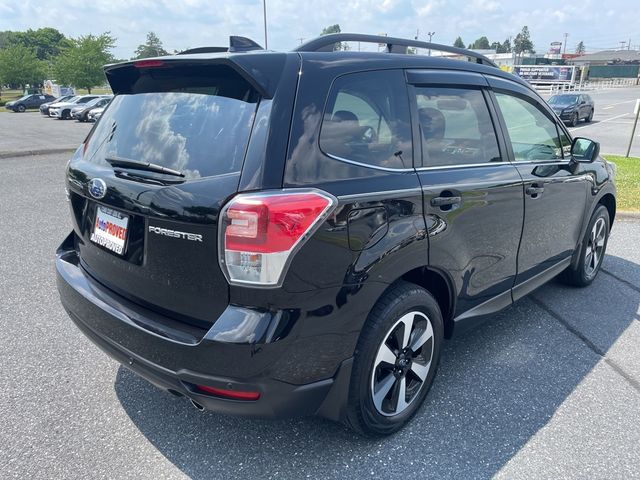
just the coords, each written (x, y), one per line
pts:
(97, 188)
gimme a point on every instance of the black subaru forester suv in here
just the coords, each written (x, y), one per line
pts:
(279, 234)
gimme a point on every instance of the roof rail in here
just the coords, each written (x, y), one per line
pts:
(236, 44)
(325, 43)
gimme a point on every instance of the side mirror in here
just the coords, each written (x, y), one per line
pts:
(584, 150)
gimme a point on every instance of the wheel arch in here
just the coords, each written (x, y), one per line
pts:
(609, 201)
(438, 284)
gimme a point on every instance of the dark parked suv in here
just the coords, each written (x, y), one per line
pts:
(279, 234)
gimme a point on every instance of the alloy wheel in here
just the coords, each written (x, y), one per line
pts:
(402, 363)
(595, 247)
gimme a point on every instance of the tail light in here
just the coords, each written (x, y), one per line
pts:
(261, 232)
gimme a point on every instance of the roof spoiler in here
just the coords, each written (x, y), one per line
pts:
(236, 44)
(326, 43)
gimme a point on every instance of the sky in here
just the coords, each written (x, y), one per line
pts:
(182, 24)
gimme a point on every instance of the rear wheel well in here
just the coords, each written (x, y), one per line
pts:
(609, 202)
(437, 285)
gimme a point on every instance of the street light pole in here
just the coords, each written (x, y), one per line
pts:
(431, 34)
(264, 11)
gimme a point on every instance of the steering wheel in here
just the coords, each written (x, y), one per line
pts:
(369, 135)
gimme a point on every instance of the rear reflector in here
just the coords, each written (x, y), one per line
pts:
(233, 394)
(260, 233)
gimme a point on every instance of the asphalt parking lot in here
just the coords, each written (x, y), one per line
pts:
(31, 131)
(549, 388)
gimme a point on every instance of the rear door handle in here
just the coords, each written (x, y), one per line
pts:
(534, 190)
(445, 201)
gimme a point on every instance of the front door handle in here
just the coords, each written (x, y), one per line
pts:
(445, 201)
(534, 190)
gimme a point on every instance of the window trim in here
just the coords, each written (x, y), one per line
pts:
(327, 98)
(417, 139)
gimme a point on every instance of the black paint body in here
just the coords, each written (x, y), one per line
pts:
(173, 318)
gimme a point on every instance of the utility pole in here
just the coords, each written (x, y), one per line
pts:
(629, 45)
(301, 40)
(417, 34)
(622, 44)
(431, 34)
(264, 11)
(564, 49)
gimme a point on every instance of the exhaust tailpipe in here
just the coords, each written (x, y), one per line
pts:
(196, 404)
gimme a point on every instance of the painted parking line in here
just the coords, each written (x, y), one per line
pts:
(611, 105)
(598, 123)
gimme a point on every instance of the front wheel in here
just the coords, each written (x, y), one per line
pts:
(21, 108)
(395, 361)
(574, 120)
(66, 115)
(594, 245)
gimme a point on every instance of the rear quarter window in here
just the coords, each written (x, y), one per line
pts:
(367, 120)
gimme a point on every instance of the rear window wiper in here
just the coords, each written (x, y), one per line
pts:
(137, 165)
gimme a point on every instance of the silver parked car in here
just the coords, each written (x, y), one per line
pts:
(81, 112)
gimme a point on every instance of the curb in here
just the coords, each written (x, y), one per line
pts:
(29, 153)
(627, 215)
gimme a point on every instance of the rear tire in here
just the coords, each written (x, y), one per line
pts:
(594, 245)
(395, 361)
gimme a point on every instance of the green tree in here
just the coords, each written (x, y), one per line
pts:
(458, 43)
(46, 42)
(331, 29)
(580, 48)
(19, 65)
(81, 64)
(522, 42)
(7, 38)
(151, 48)
(506, 46)
(335, 29)
(481, 43)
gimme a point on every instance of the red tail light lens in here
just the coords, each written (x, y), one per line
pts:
(260, 233)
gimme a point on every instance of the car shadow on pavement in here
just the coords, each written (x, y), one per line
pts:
(497, 386)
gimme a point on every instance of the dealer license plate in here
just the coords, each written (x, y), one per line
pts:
(110, 229)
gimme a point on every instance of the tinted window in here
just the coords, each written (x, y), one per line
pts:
(367, 120)
(456, 127)
(196, 121)
(533, 135)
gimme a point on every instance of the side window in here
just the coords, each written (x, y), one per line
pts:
(533, 135)
(455, 126)
(367, 120)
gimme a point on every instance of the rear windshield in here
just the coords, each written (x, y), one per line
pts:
(193, 119)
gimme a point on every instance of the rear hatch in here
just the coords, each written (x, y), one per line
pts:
(147, 186)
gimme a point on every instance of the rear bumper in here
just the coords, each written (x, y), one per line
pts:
(178, 359)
